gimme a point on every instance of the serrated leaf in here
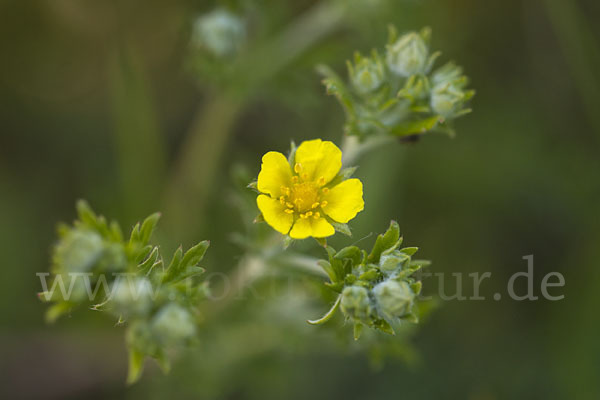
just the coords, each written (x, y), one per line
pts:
(85, 213)
(150, 260)
(134, 238)
(328, 315)
(148, 227)
(194, 255)
(384, 242)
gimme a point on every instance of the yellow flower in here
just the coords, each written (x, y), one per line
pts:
(297, 201)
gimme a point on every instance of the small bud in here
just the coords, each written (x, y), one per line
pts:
(408, 55)
(447, 99)
(367, 74)
(131, 296)
(390, 263)
(78, 251)
(173, 324)
(355, 303)
(220, 32)
(394, 299)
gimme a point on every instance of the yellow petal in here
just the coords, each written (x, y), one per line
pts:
(275, 172)
(318, 159)
(274, 213)
(305, 227)
(344, 200)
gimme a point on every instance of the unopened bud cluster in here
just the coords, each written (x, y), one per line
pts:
(400, 94)
(128, 279)
(375, 289)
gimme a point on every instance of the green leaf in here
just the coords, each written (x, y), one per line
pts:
(173, 268)
(385, 241)
(328, 315)
(342, 228)
(351, 252)
(194, 255)
(148, 227)
(86, 214)
(328, 270)
(410, 250)
(415, 127)
(136, 366)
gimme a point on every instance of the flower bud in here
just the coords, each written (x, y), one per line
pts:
(219, 31)
(78, 251)
(355, 303)
(390, 263)
(394, 299)
(447, 99)
(408, 55)
(131, 296)
(173, 324)
(366, 74)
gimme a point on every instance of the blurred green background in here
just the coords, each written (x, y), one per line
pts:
(100, 100)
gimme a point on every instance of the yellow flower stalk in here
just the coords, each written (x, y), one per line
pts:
(303, 201)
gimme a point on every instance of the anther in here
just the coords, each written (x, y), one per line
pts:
(282, 200)
(321, 181)
(317, 215)
(289, 205)
(325, 190)
(294, 179)
(308, 214)
(304, 176)
(303, 216)
(324, 203)
(289, 211)
(297, 168)
(315, 205)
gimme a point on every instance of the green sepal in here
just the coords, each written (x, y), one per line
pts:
(327, 315)
(358, 327)
(136, 365)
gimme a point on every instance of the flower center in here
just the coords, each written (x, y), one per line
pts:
(303, 197)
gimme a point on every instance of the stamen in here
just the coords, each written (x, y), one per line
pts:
(304, 176)
(285, 190)
(294, 179)
(321, 181)
(289, 205)
(315, 205)
(324, 203)
(325, 190)
(297, 168)
(288, 211)
(282, 200)
(303, 216)
(317, 215)
(309, 214)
